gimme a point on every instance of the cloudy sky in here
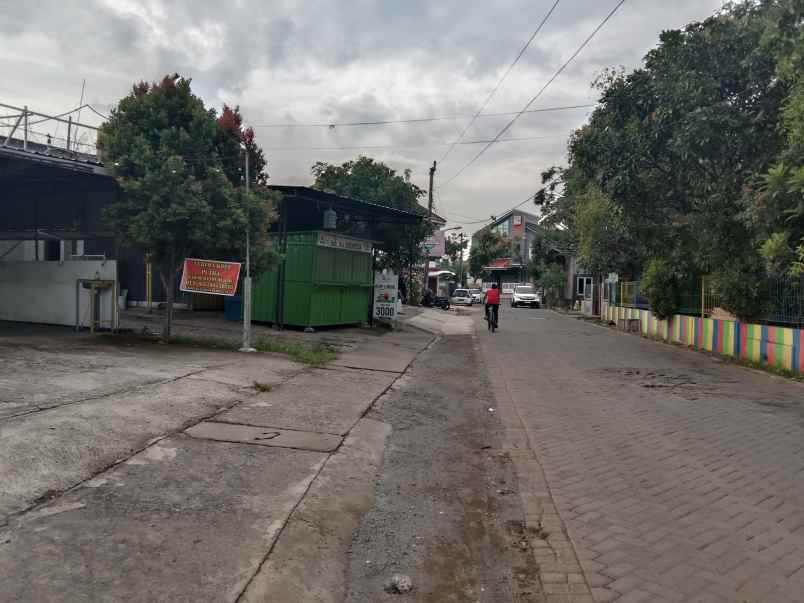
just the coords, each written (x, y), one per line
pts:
(332, 61)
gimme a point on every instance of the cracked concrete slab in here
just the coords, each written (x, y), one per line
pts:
(440, 322)
(45, 372)
(393, 352)
(310, 559)
(265, 436)
(319, 400)
(185, 520)
(250, 368)
(55, 449)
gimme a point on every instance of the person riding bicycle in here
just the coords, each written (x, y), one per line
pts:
(492, 302)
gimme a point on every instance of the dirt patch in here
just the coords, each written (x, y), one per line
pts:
(448, 512)
(685, 384)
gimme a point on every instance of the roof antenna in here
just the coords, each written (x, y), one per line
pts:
(80, 106)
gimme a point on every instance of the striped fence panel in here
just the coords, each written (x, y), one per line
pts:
(781, 347)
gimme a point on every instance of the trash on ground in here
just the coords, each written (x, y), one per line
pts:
(399, 583)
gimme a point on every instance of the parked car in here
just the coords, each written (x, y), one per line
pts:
(461, 297)
(477, 295)
(524, 295)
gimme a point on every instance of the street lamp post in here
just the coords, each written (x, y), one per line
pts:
(247, 280)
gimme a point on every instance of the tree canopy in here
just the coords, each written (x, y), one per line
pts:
(179, 170)
(373, 181)
(487, 246)
(695, 158)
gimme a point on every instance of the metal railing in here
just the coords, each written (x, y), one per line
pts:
(630, 296)
(783, 303)
(27, 130)
(786, 301)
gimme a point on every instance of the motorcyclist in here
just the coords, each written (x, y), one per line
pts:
(492, 303)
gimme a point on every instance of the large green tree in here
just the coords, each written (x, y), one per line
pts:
(776, 202)
(181, 194)
(370, 180)
(487, 246)
(677, 166)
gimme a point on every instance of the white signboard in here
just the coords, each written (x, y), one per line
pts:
(385, 294)
(435, 245)
(328, 239)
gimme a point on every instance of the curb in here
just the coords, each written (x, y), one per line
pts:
(310, 559)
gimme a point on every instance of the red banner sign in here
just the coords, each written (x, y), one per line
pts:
(210, 276)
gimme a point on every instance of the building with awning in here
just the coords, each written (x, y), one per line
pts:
(329, 247)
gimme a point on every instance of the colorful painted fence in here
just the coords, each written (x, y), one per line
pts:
(781, 347)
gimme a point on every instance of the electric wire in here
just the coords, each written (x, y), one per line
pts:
(502, 79)
(538, 94)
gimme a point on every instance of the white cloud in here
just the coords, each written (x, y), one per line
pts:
(327, 61)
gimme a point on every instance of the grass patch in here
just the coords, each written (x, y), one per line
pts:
(262, 387)
(314, 355)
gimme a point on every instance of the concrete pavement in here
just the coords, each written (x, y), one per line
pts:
(652, 473)
(181, 482)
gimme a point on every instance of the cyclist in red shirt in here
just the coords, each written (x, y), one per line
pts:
(493, 303)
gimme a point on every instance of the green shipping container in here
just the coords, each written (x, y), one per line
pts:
(328, 281)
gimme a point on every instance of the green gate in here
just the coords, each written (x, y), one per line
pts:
(327, 281)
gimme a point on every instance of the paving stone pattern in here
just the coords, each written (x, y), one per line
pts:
(689, 487)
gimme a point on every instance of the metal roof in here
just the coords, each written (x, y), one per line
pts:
(312, 194)
(55, 157)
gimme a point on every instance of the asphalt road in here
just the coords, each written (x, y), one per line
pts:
(676, 476)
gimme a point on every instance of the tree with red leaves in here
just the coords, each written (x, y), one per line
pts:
(232, 137)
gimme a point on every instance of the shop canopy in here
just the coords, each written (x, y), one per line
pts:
(302, 208)
(49, 192)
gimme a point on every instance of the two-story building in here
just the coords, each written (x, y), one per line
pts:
(521, 229)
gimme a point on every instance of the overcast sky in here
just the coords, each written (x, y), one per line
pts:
(314, 61)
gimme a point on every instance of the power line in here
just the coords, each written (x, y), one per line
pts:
(402, 146)
(502, 79)
(539, 93)
(528, 199)
(415, 120)
(96, 112)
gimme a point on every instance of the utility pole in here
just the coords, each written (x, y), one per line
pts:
(460, 256)
(247, 281)
(429, 222)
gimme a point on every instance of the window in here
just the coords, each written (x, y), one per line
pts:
(584, 288)
(52, 250)
(504, 228)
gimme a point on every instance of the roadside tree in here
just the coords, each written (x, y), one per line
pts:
(370, 180)
(180, 194)
(487, 247)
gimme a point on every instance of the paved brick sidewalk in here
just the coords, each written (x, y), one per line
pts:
(673, 476)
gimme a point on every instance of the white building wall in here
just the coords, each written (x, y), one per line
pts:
(45, 292)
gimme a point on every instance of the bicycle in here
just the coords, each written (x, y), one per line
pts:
(491, 317)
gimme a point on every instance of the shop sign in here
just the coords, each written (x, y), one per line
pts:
(328, 239)
(435, 245)
(210, 276)
(385, 294)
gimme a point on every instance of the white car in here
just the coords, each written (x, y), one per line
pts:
(524, 295)
(461, 297)
(477, 295)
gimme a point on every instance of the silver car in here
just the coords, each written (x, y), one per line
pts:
(461, 297)
(524, 295)
(477, 295)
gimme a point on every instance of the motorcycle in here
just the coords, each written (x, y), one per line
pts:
(435, 301)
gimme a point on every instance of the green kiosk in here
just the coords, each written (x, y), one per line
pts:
(326, 277)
